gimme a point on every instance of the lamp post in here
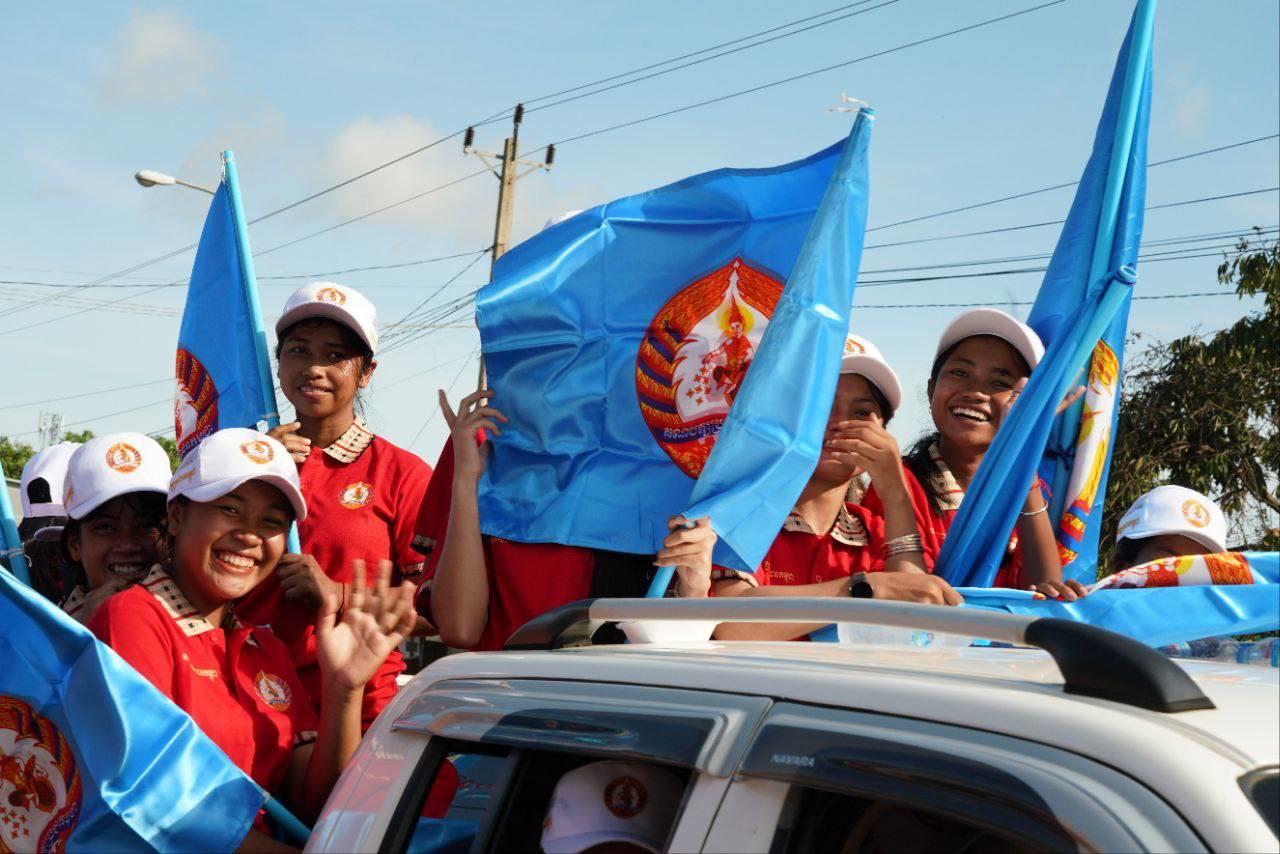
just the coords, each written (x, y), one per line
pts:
(151, 178)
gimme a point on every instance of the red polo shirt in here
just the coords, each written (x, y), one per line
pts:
(525, 579)
(799, 555)
(238, 683)
(363, 496)
(934, 517)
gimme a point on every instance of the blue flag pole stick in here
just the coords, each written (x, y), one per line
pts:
(1121, 149)
(270, 413)
(287, 822)
(12, 542)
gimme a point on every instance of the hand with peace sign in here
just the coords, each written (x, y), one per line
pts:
(470, 452)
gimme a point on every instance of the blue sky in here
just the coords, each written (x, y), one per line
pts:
(308, 94)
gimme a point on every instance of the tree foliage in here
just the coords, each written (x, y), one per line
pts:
(1203, 411)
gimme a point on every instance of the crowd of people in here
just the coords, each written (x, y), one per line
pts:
(284, 658)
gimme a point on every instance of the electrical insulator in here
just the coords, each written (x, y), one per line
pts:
(519, 113)
(551, 154)
(469, 138)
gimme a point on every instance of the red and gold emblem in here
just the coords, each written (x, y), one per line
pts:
(1196, 513)
(40, 786)
(258, 451)
(696, 354)
(356, 495)
(332, 295)
(123, 457)
(273, 690)
(195, 404)
(625, 797)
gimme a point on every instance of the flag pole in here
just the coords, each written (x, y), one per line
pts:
(12, 541)
(270, 413)
(1121, 150)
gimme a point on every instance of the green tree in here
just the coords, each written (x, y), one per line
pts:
(170, 448)
(1204, 411)
(13, 456)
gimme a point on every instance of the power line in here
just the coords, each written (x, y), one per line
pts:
(416, 310)
(376, 267)
(436, 410)
(1024, 195)
(84, 394)
(1032, 302)
(804, 75)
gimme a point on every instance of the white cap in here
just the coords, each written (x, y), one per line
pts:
(863, 358)
(50, 464)
(990, 321)
(236, 455)
(335, 302)
(110, 466)
(612, 802)
(1175, 510)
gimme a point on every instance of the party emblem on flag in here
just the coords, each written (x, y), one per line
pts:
(40, 788)
(273, 690)
(695, 356)
(1092, 445)
(195, 407)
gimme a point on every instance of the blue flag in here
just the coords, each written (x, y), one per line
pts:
(618, 340)
(1160, 615)
(772, 437)
(92, 757)
(223, 368)
(1081, 314)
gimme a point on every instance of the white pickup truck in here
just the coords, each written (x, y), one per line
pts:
(1069, 738)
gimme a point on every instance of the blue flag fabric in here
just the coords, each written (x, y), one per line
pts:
(1160, 615)
(93, 758)
(221, 380)
(1083, 300)
(772, 437)
(617, 341)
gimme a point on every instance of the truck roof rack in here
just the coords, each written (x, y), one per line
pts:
(1094, 662)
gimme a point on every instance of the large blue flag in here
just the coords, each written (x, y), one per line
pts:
(618, 340)
(223, 368)
(1080, 314)
(92, 757)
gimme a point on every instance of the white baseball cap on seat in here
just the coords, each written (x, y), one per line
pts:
(236, 455)
(110, 466)
(863, 358)
(633, 802)
(331, 301)
(51, 465)
(1175, 510)
(991, 321)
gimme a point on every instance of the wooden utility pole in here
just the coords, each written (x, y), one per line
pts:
(504, 167)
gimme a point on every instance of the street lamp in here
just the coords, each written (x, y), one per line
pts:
(151, 178)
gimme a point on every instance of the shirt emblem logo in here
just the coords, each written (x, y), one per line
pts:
(123, 457)
(258, 451)
(332, 295)
(625, 797)
(273, 690)
(1195, 513)
(695, 356)
(356, 495)
(40, 784)
(195, 403)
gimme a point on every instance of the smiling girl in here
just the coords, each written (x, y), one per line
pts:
(363, 492)
(114, 498)
(982, 362)
(230, 508)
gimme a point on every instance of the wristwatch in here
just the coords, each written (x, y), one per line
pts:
(859, 587)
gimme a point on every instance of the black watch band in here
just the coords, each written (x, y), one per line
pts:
(859, 587)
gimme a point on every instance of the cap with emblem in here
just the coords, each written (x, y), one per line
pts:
(1175, 510)
(234, 456)
(612, 802)
(335, 302)
(49, 465)
(863, 358)
(110, 466)
(991, 321)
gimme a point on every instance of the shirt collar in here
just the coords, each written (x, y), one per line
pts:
(175, 603)
(847, 529)
(348, 447)
(945, 486)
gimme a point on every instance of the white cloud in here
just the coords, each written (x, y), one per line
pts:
(160, 57)
(463, 212)
(1190, 113)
